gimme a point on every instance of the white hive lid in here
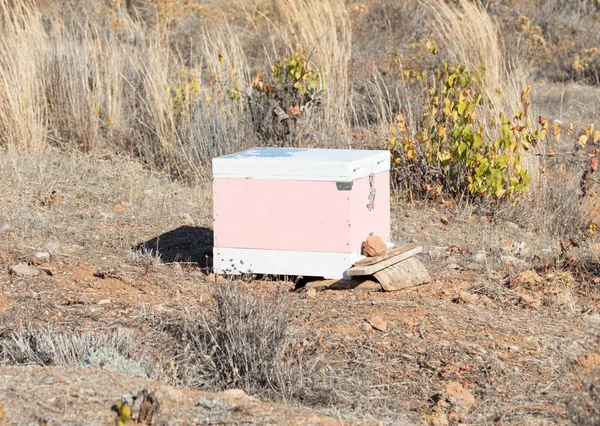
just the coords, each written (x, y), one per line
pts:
(340, 165)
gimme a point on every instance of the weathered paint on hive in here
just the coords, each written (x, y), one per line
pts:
(281, 215)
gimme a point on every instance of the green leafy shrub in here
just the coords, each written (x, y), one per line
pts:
(454, 150)
(287, 98)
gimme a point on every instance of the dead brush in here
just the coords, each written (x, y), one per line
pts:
(244, 342)
(47, 346)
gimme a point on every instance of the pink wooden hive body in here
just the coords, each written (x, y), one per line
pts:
(287, 211)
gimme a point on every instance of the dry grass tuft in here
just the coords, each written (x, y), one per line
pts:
(50, 347)
(473, 40)
(246, 342)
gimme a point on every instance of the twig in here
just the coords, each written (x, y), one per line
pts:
(550, 410)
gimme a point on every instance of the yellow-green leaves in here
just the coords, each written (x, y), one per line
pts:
(432, 47)
(450, 139)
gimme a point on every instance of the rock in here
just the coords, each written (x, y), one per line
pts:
(461, 400)
(187, 220)
(515, 248)
(438, 253)
(479, 257)
(453, 266)
(238, 394)
(52, 247)
(215, 278)
(311, 293)
(106, 215)
(48, 270)
(513, 261)
(408, 273)
(444, 220)
(4, 228)
(55, 199)
(511, 225)
(375, 246)
(104, 302)
(469, 298)
(529, 280)
(564, 298)
(378, 323)
(23, 270)
(367, 327)
(41, 257)
(530, 301)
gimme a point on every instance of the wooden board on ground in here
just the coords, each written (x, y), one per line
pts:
(355, 283)
(392, 251)
(376, 267)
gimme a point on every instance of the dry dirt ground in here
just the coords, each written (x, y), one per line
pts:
(490, 340)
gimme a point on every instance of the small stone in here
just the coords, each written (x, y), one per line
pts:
(530, 301)
(23, 270)
(564, 298)
(453, 266)
(444, 220)
(513, 261)
(55, 199)
(367, 327)
(438, 252)
(52, 247)
(4, 228)
(468, 298)
(311, 293)
(461, 400)
(187, 220)
(41, 257)
(512, 225)
(120, 208)
(529, 279)
(479, 257)
(48, 270)
(238, 394)
(378, 323)
(104, 302)
(375, 246)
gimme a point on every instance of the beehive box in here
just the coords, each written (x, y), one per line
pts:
(298, 211)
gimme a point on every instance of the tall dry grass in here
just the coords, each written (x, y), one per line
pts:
(100, 86)
(473, 39)
(106, 80)
(23, 46)
(323, 28)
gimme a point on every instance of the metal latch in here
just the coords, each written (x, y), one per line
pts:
(372, 191)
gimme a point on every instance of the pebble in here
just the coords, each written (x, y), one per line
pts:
(479, 257)
(378, 323)
(24, 270)
(42, 256)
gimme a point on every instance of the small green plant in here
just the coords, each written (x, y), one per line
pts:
(294, 89)
(110, 358)
(452, 150)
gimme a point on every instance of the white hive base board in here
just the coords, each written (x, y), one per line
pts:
(235, 261)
